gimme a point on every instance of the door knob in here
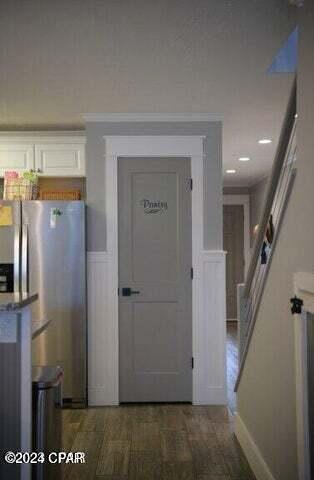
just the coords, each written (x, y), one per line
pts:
(127, 292)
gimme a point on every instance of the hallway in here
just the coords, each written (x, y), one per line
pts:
(154, 442)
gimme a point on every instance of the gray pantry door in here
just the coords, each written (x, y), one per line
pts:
(233, 243)
(155, 285)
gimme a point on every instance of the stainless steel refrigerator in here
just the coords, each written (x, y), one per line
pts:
(43, 251)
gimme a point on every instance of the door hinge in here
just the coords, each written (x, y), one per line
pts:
(192, 362)
(297, 304)
(192, 273)
(191, 183)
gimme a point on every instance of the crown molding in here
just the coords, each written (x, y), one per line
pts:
(42, 134)
(151, 117)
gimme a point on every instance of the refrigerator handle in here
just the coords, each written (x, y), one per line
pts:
(25, 259)
(17, 235)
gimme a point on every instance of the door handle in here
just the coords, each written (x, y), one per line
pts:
(24, 263)
(127, 292)
(17, 233)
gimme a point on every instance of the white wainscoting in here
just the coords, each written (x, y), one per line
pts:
(209, 331)
(103, 367)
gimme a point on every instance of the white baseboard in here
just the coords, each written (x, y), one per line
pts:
(100, 396)
(251, 451)
(213, 396)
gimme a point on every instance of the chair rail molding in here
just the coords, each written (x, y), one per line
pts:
(208, 314)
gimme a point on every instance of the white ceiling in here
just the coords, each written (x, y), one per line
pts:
(59, 59)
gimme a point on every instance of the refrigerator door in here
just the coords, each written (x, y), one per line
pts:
(53, 249)
(10, 226)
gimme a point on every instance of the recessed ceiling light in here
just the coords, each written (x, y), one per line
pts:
(231, 170)
(244, 159)
(264, 141)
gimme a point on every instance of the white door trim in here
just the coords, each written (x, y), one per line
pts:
(208, 321)
(245, 201)
(304, 289)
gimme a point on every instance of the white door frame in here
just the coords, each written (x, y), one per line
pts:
(304, 289)
(208, 290)
(245, 201)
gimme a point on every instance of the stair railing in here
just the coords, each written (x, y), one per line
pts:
(278, 193)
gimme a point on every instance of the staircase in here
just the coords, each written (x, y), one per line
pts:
(279, 188)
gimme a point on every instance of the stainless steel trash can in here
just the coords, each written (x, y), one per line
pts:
(47, 419)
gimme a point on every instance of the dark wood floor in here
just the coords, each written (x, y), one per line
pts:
(154, 442)
(158, 442)
(232, 364)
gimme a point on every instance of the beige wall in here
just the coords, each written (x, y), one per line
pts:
(266, 395)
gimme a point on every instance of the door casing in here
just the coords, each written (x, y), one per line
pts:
(169, 146)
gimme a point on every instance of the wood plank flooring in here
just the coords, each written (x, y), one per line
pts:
(159, 442)
(232, 363)
(154, 442)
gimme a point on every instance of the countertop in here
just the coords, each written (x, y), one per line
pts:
(15, 301)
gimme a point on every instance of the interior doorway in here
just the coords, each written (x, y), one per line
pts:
(233, 244)
(236, 239)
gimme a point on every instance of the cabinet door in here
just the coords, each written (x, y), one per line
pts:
(60, 160)
(18, 157)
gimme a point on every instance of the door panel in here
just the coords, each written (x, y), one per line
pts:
(154, 228)
(60, 159)
(233, 239)
(156, 335)
(56, 260)
(18, 157)
(155, 259)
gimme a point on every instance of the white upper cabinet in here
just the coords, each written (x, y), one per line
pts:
(50, 155)
(60, 160)
(18, 157)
